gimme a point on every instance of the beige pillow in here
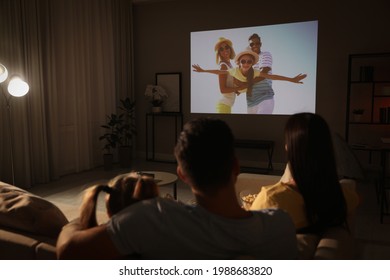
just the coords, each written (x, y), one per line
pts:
(22, 210)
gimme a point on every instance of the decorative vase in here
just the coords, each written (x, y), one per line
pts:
(156, 109)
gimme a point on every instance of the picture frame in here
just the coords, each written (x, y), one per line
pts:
(171, 82)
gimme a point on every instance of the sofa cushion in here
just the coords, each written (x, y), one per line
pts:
(16, 245)
(25, 211)
(21, 245)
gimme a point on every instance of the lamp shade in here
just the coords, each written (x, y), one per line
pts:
(17, 87)
(3, 73)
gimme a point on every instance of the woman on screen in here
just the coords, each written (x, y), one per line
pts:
(224, 54)
(245, 77)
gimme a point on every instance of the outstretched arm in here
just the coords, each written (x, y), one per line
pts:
(297, 79)
(76, 243)
(199, 69)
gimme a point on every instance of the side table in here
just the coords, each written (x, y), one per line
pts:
(150, 132)
(163, 179)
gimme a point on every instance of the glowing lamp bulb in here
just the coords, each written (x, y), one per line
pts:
(3, 73)
(17, 87)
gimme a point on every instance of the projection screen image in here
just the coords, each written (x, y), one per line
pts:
(255, 70)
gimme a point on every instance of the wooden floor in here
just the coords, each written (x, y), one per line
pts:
(373, 237)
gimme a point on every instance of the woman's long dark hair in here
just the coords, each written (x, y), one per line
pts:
(312, 163)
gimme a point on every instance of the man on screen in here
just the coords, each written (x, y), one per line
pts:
(217, 227)
(262, 102)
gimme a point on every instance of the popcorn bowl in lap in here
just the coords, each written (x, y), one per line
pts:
(246, 198)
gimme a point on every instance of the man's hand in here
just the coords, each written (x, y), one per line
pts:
(298, 78)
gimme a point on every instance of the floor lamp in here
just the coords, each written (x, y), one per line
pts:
(17, 88)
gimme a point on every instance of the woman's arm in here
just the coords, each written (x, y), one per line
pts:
(199, 69)
(297, 79)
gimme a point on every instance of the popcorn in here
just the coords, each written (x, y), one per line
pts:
(249, 198)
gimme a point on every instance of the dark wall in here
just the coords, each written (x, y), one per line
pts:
(162, 44)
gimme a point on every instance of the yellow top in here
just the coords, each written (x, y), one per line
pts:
(237, 74)
(290, 200)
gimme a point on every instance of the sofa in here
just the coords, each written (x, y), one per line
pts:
(336, 243)
(29, 225)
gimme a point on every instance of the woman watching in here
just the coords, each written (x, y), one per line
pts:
(309, 190)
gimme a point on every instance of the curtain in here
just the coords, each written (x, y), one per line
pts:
(76, 56)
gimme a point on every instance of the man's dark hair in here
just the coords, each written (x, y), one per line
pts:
(205, 151)
(254, 35)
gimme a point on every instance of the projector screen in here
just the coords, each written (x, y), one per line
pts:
(288, 49)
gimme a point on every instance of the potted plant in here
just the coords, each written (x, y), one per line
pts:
(120, 130)
(126, 131)
(156, 95)
(111, 138)
(357, 114)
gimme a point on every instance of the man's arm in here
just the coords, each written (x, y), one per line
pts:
(93, 243)
(265, 69)
(297, 79)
